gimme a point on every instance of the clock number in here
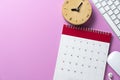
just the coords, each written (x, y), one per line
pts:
(70, 19)
(82, 19)
(76, 21)
(67, 2)
(87, 16)
(65, 8)
(88, 4)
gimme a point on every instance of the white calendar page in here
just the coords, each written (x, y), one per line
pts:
(81, 58)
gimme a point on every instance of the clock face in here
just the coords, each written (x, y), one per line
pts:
(76, 12)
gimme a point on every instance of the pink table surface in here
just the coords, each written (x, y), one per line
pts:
(30, 33)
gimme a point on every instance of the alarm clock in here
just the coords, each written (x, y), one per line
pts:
(76, 12)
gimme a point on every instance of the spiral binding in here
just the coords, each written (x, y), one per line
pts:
(88, 29)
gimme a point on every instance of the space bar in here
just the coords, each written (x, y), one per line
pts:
(112, 25)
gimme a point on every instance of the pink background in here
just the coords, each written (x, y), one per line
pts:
(29, 38)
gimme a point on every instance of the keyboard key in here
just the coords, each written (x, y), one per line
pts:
(116, 2)
(104, 3)
(117, 21)
(113, 7)
(118, 26)
(113, 17)
(118, 16)
(119, 7)
(107, 8)
(110, 2)
(116, 11)
(110, 12)
(98, 5)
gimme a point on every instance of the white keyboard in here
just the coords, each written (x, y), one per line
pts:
(110, 9)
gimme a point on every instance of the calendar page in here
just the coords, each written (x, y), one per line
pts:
(81, 58)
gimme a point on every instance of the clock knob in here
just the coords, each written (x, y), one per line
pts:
(76, 12)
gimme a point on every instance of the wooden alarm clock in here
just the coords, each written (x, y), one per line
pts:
(76, 12)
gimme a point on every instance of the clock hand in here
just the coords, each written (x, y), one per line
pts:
(78, 8)
(74, 9)
(80, 5)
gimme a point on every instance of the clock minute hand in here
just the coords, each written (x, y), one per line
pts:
(80, 5)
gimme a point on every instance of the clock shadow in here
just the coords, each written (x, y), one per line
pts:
(90, 22)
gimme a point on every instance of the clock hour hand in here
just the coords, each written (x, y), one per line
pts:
(75, 9)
